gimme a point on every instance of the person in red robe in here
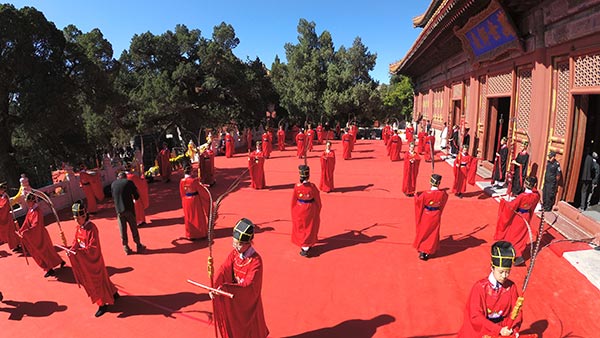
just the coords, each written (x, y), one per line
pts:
(141, 203)
(386, 134)
(97, 184)
(395, 146)
(195, 202)
(207, 164)
(241, 274)
(266, 145)
(88, 263)
(327, 168)
(8, 225)
(410, 132)
(249, 139)
(512, 216)
(256, 167)
(281, 139)
(347, 145)
(465, 169)
(429, 206)
(85, 182)
(429, 147)
(310, 139)
(36, 239)
(320, 133)
(229, 145)
(354, 129)
(306, 212)
(164, 163)
(421, 137)
(492, 299)
(411, 170)
(301, 144)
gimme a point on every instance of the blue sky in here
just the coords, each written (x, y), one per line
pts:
(263, 26)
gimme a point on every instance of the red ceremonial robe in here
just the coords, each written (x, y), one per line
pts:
(97, 185)
(266, 145)
(229, 146)
(37, 240)
(242, 316)
(207, 167)
(429, 143)
(306, 214)
(510, 226)
(85, 182)
(164, 164)
(88, 265)
(411, 171)
(410, 134)
(8, 225)
(310, 139)
(352, 140)
(281, 140)
(327, 168)
(486, 304)
(429, 206)
(256, 166)
(465, 168)
(300, 142)
(319, 135)
(395, 147)
(347, 146)
(421, 145)
(249, 142)
(140, 206)
(386, 133)
(354, 130)
(196, 205)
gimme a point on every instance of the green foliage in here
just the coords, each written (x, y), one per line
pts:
(397, 97)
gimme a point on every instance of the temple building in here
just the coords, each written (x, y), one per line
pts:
(523, 69)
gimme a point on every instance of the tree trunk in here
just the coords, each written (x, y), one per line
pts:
(8, 164)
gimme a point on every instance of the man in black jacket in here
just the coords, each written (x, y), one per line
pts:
(588, 179)
(124, 192)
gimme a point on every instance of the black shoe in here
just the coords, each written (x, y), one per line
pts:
(142, 224)
(1, 296)
(19, 248)
(116, 295)
(140, 248)
(519, 261)
(49, 273)
(423, 256)
(101, 310)
(62, 264)
(128, 251)
(304, 253)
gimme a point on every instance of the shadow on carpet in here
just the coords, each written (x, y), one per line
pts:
(356, 328)
(18, 310)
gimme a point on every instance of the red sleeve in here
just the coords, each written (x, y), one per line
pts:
(418, 207)
(476, 311)
(317, 196)
(181, 189)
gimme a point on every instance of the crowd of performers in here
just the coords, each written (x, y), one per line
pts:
(490, 301)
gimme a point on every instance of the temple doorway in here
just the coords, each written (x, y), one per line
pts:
(497, 125)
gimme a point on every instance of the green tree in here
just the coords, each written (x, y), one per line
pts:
(397, 97)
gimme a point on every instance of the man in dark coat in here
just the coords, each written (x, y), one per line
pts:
(551, 179)
(589, 179)
(124, 192)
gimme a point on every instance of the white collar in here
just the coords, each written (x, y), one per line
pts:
(435, 188)
(247, 253)
(495, 284)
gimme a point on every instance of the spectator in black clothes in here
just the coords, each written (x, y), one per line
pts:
(589, 179)
(124, 192)
(551, 180)
(466, 138)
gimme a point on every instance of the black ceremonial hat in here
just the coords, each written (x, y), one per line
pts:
(304, 170)
(78, 208)
(530, 182)
(243, 230)
(503, 254)
(435, 180)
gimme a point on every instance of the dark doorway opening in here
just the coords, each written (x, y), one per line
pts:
(497, 122)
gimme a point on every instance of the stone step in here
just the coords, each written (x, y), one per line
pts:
(565, 226)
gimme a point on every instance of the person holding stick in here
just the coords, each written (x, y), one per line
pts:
(240, 315)
(493, 298)
(87, 261)
(36, 239)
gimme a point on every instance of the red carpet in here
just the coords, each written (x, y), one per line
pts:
(365, 281)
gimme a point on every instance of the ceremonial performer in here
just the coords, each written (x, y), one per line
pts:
(429, 206)
(499, 172)
(395, 146)
(164, 163)
(410, 132)
(229, 145)
(249, 139)
(300, 143)
(513, 215)
(241, 275)
(8, 225)
(267, 146)
(88, 263)
(519, 171)
(320, 133)
(36, 239)
(256, 167)
(421, 136)
(493, 298)
(85, 182)
(207, 163)
(386, 134)
(310, 138)
(552, 177)
(141, 203)
(281, 139)
(196, 205)
(306, 212)
(327, 168)
(465, 169)
(411, 170)
(429, 147)
(347, 145)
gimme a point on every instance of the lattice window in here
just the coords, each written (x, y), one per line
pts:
(438, 102)
(587, 71)
(562, 99)
(524, 108)
(482, 99)
(500, 84)
(425, 110)
(457, 91)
